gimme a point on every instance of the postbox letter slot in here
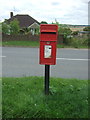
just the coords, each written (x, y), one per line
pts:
(48, 32)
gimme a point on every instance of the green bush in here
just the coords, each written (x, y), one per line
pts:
(75, 33)
(78, 41)
(14, 26)
(63, 30)
(5, 28)
(86, 28)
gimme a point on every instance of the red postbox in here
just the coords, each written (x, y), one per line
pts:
(48, 41)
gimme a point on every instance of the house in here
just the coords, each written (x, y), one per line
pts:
(25, 21)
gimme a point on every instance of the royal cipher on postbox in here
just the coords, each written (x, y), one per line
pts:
(48, 42)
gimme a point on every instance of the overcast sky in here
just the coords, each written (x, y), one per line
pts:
(64, 11)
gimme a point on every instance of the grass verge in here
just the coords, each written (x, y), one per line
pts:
(36, 44)
(21, 43)
(24, 98)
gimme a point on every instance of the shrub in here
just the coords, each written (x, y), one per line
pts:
(86, 28)
(14, 26)
(5, 28)
(75, 33)
(78, 41)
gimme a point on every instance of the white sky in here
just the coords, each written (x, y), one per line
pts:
(64, 11)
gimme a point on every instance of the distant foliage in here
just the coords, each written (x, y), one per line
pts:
(0, 28)
(75, 33)
(43, 22)
(78, 41)
(63, 29)
(5, 28)
(86, 28)
(14, 27)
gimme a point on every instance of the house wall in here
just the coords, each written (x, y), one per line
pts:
(28, 37)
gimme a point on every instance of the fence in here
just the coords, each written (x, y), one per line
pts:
(27, 37)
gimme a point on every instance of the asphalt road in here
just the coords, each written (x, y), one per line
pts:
(18, 62)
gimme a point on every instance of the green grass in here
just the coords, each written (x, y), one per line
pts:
(72, 46)
(36, 44)
(24, 98)
(21, 43)
(0, 43)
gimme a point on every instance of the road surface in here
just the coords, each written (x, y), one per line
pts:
(19, 62)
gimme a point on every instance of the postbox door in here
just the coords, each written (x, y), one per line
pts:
(48, 53)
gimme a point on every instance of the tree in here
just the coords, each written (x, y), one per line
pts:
(14, 26)
(63, 29)
(86, 28)
(5, 28)
(43, 22)
(75, 33)
(0, 27)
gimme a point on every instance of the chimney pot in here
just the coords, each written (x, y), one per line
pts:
(11, 14)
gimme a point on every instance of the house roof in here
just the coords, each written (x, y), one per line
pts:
(24, 20)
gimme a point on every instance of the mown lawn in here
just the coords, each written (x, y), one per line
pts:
(25, 98)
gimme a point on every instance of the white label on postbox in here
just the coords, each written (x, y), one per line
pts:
(47, 51)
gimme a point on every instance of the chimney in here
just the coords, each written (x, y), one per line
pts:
(11, 14)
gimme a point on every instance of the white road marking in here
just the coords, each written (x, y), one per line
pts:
(2, 56)
(73, 59)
